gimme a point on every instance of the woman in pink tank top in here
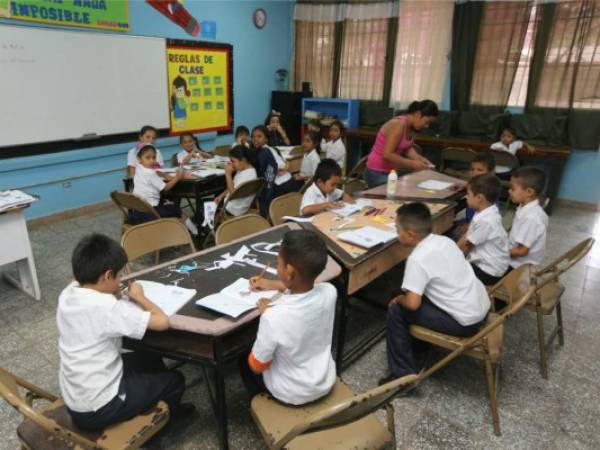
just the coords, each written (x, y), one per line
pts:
(393, 148)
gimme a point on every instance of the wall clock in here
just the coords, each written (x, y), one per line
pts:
(259, 18)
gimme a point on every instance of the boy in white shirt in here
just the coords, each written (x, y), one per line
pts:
(485, 243)
(101, 387)
(509, 143)
(441, 291)
(527, 238)
(323, 193)
(291, 356)
(147, 136)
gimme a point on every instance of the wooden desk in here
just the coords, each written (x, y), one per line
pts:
(361, 266)
(551, 159)
(207, 338)
(15, 245)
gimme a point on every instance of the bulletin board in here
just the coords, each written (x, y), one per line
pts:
(200, 78)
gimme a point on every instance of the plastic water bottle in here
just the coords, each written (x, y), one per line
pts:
(391, 183)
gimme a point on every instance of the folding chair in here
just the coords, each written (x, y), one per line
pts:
(454, 159)
(241, 226)
(285, 205)
(126, 202)
(247, 189)
(51, 427)
(355, 181)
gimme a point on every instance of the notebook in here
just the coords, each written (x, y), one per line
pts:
(235, 299)
(434, 185)
(167, 297)
(367, 237)
(347, 210)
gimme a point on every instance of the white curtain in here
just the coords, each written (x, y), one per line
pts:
(422, 51)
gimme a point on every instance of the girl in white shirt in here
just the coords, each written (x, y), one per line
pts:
(243, 163)
(334, 148)
(311, 159)
(147, 136)
(191, 150)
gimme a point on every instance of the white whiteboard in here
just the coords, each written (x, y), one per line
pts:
(57, 85)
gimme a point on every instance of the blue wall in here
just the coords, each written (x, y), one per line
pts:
(68, 180)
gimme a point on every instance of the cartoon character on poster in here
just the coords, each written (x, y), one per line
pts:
(179, 101)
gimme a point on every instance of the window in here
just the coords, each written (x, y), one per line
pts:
(518, 91)
(313, 60)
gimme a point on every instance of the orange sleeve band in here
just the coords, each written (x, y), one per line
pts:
(256, 365)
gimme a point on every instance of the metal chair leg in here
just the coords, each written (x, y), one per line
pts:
(559, 324)
(492, 396)
(542, 343)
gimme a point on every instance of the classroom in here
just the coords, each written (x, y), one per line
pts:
(299, 224)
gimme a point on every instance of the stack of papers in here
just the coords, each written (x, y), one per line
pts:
(347, 210)
(434, 185)
(203, 173)
(235, 299)
(367, 237)
(10, 199)
(167, 297)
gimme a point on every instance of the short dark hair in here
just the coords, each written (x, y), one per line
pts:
(486, 158)
(339, 124)
(145, 149)
(531, 178)
(416, 217)
(326, 169)
(94, 255)
(487, 185)
(510, 130)
(242, 129)
(306, 251)
(427, 108)
(148, 128)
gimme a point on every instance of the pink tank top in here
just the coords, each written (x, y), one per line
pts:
(376, 160)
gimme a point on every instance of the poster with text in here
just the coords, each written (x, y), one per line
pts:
(200, 87)
(105, 14)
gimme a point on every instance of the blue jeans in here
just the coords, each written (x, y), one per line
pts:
(375, 178)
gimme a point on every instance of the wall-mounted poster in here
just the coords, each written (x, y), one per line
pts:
(200, 86)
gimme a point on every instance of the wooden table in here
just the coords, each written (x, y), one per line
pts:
(207, 338)
(361, 266)
(551, 159)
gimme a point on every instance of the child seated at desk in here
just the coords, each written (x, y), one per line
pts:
(147, 136)
(243, 163)
(485, 243)
(191, 150)
(99, 385)
(527, 238)
(323, 193)
(509, 143)
(148, 185)
(441, 291)
(311, 143)
(291, 356)
(334, 148)
(242, 136)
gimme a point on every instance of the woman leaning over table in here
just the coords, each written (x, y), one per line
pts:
(393, 148)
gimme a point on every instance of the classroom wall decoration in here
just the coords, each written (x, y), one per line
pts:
(105, 14)
(200, 86)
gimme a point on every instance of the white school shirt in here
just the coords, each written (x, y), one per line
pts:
(147, 185)
(490, 252)
(91, 325)
(183, 154)
(335, 150)
(438, 270)
(241, 205)
(295, 335)
(529, 229)
(314, 196)
(132, 157)
(280, 179)
(512, 148)
(309, 164)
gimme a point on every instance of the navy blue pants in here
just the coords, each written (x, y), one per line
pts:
(399, 342)
(163, 210)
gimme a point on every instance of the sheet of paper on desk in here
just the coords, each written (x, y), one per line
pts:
(434, 185)
(203, 173)
(167, 169)
(167, 297)
(367, 237)
(10, 199)
(363, 202)
(347, 210)
(298, 219)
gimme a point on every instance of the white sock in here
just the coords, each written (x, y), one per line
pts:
(191, 226)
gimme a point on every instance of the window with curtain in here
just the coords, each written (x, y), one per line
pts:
(313, 62)
(570, 75)
(422, 48)
(503, 54)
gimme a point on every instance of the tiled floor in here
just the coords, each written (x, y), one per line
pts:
(451, 410)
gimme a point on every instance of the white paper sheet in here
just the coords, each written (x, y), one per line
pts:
(434, 185)
(10, 199)
(367, 237)
(298, 219)
(167, 297)
(347, 210)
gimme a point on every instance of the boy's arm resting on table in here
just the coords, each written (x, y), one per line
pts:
(519, 250)
(319, 207)
(259, 283)
(158, 320)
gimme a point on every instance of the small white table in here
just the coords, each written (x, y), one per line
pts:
(15, 247)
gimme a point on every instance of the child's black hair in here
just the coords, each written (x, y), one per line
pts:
(415, 217)
(315, 138)
(531, 178)
(326, 169)
(340, 125)
(242, 152)
(242, 129)
(486, 158)
(306, 251)
(145, 149)
(315, 123)
(192, 135)
(272, 114)
(147, 128)
(510, 130)
(178, 82)
(487, 185)
(94, 255)
(427, 108)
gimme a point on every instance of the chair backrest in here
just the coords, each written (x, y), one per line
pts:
(126, 201)
(9, 390)
(239, 227)
(359, 169)
(565, 261)
(286, 205)
(505, 159)
(151, 237)
(350, 410)
(455, 154)
(297, 150)
(306, 185)
(252, 187)
(222, 150)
